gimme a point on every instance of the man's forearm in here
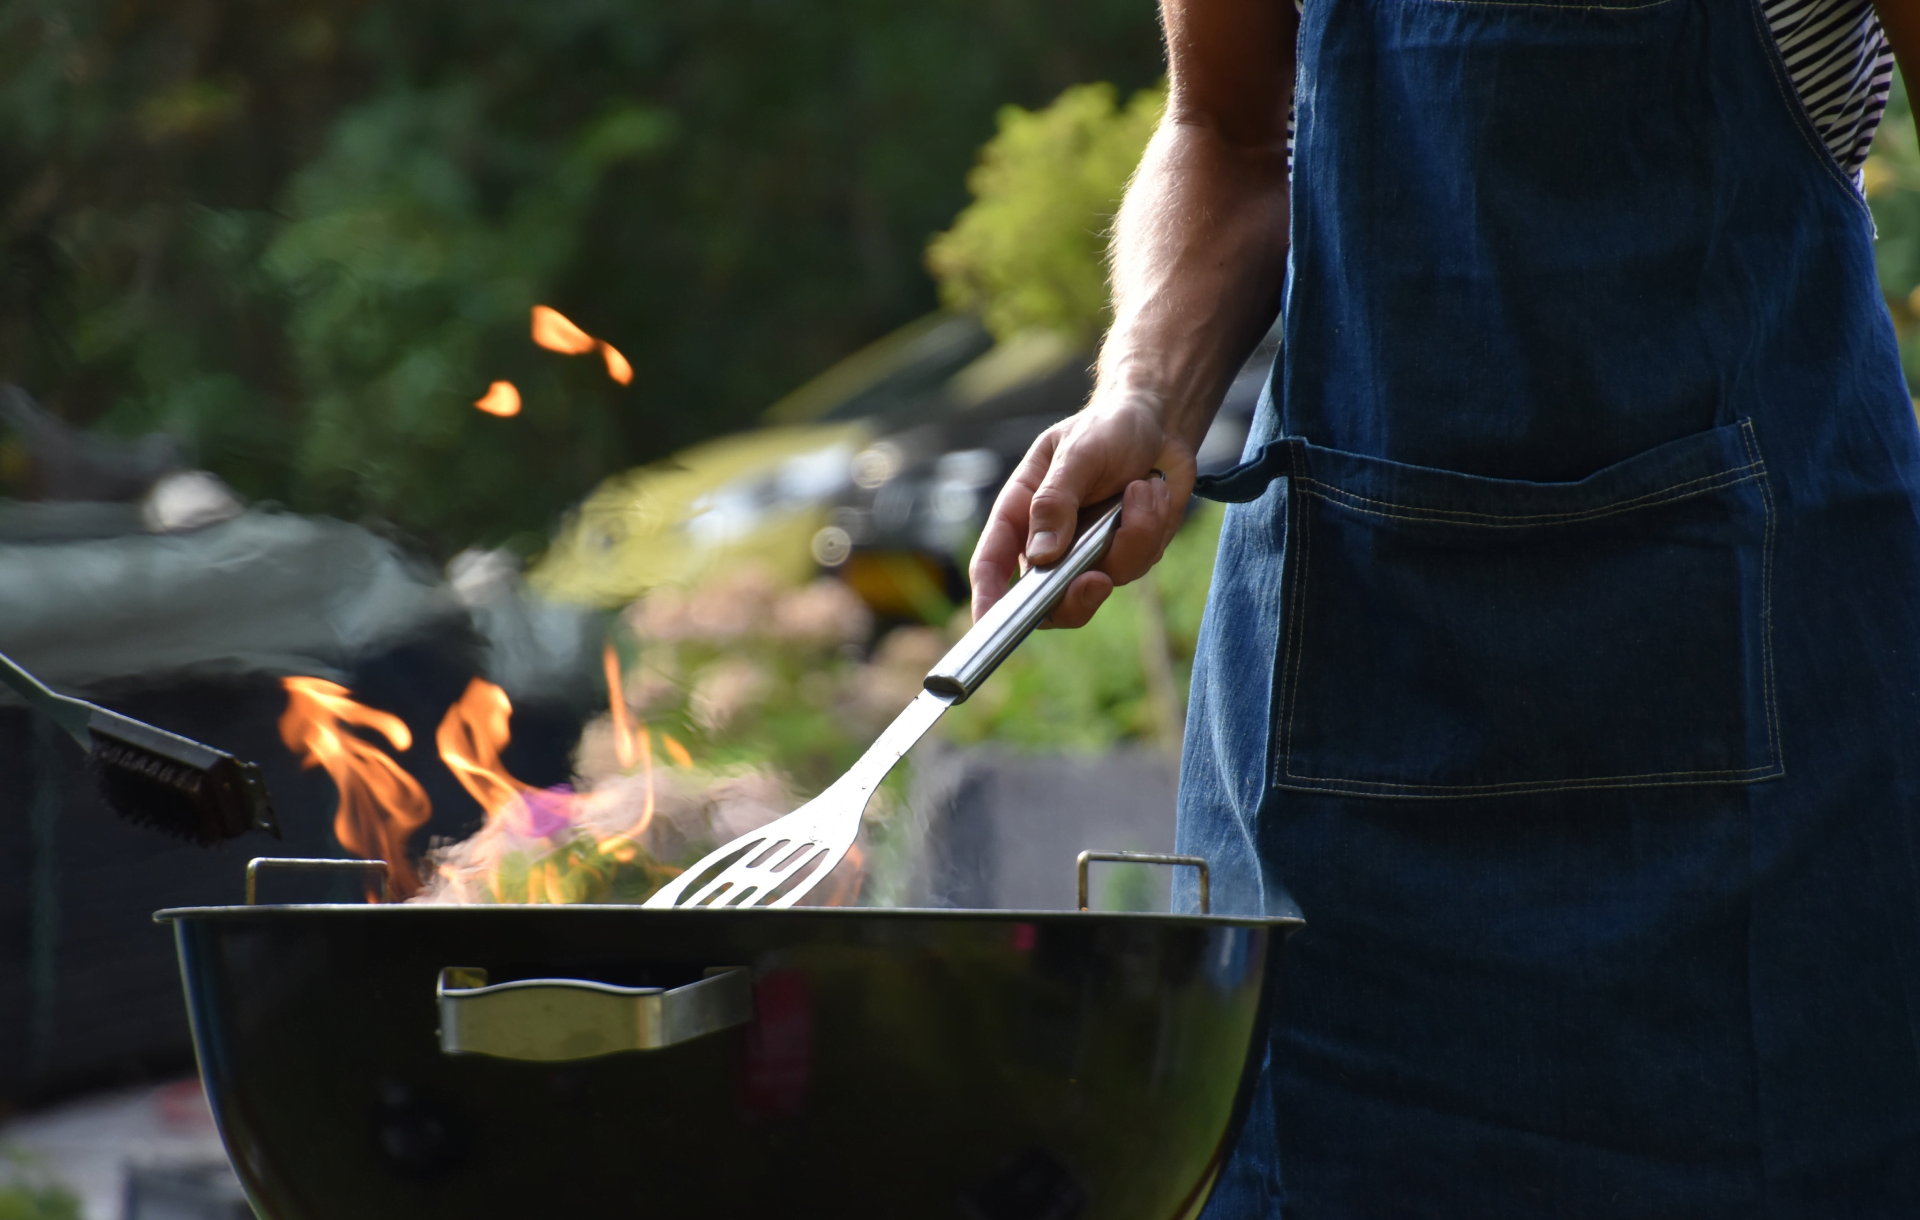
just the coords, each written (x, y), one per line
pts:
(1199, 256)
(1199, 253)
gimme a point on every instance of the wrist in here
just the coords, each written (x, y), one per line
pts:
(1151, 409)
(1174, 385)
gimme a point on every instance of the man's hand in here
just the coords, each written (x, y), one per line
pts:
(1077, 462)
(1199, 253)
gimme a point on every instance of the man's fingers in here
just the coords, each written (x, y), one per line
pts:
(996, 558)
(1147, 519)
(1073, 479)
(1071, 465)
(1150, 515)
(1050, 526)
(1083, 597)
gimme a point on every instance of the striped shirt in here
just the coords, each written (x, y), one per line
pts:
(1841, 67)
(1840, 64)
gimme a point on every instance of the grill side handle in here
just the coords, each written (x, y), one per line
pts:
(554, 1020)
(1145, 857)
(297, 864)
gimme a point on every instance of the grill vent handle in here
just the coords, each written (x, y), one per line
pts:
(297, 864)
(554, 1020)
(1145, 857)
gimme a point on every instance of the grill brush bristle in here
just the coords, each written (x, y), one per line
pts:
(154, 778)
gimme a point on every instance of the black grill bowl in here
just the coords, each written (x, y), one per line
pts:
(919, 1065)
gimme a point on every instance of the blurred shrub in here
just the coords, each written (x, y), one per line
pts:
(1892, 179)
(1030, 251)
(306, 235)
(28, 1193)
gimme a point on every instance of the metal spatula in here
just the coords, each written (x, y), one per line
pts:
(778, 863)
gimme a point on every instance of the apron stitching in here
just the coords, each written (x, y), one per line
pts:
(1438, 792)
(1652, 499)
(1771, 768)
(1561, 8)
(1296, 625)
(1753, 463)
(1766, 603)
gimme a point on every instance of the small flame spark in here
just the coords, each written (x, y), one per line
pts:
(617, 366)
(501, 398)
(380, 804)
(556, 332)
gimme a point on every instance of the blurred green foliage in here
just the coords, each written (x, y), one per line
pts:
(28, 1193)
(38, 1203)
(1030, 251)
(305, 236)
(1892, 177)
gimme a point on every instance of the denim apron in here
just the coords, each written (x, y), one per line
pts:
(1562, 660)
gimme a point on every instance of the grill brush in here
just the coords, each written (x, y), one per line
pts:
(152, 777)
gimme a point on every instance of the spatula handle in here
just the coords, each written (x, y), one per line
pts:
(1026, 605)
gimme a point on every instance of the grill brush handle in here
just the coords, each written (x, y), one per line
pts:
(554, 1020)
(70, 714)
(1012, 618)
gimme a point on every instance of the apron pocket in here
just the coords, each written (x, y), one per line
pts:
(1455, 636)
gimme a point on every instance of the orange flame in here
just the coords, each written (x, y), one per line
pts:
(617, 366)
(676, 751)
(501, 398)
(617, 706)
(626, 740)
(556, 332)
(380, 804)
(842, 886)
(470, 738)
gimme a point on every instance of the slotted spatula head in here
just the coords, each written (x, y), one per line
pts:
(777, 864)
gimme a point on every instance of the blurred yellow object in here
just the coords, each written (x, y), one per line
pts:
(1877, 177)
(759, 497)
(903, 584)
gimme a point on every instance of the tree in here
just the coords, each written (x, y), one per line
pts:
(1030, 251)
(305, 236)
